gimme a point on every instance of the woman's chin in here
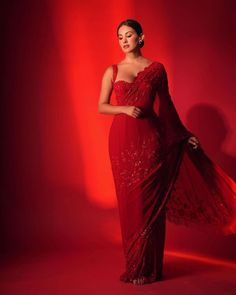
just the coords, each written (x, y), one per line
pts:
(127, 50)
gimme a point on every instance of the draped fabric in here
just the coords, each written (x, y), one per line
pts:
(158, 175)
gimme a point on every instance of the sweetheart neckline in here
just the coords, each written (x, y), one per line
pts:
(135, 77)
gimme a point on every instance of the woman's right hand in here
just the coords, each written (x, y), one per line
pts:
(133, 111)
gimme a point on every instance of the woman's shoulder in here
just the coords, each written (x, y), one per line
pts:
(158, 63)
(109, 68)
(159, 67)
(108, 71)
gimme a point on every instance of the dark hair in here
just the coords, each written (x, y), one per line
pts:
(133, 24)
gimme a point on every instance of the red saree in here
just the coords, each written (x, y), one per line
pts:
(158, 175)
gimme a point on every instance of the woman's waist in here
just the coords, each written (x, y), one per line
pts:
(146, 113)
(148, 120)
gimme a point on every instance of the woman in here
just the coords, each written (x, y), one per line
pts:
(159, 167)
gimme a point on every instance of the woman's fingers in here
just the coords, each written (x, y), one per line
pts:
(194, 141)
(136, 112)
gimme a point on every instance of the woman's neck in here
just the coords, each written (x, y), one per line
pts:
(133, 57)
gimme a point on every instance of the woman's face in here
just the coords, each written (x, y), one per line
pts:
(128, 38)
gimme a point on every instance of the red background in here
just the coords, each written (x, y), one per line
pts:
(58, 190)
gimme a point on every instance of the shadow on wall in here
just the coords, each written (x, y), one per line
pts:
(210, 125)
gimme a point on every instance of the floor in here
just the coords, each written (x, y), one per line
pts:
(96, 271)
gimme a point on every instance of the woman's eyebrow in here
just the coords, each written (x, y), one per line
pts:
(126, 33)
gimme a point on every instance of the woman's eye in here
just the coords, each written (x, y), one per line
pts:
(126, 36)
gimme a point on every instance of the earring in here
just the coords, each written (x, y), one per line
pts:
(140, 43)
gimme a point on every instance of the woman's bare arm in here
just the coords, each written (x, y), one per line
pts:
(104, 106)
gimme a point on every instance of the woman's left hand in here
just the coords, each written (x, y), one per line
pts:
(194, 141)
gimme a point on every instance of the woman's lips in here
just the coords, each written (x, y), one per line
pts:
(125, 46)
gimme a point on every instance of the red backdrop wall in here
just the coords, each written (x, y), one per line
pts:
(58, 190)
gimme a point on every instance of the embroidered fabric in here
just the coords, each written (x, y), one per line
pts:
(157, 175)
